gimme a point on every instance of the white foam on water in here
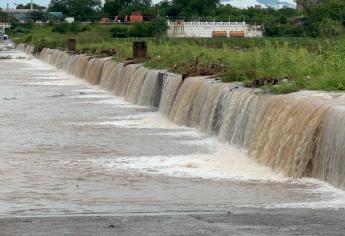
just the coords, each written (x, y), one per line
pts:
(191, 133)
(211, 142)
(117, 103)
(147, 120)
(60, 82)
(89, 90)
(96, 96)
(227, 162)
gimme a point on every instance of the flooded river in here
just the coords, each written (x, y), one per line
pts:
(70, 148)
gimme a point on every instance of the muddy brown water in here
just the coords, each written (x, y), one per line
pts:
(69, 148)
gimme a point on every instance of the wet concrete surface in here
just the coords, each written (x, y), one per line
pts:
(235, 222)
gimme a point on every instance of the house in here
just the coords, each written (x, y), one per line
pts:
(57, 15)
(136, 17)
(20, 14)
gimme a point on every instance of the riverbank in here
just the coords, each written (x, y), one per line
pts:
(278, 65)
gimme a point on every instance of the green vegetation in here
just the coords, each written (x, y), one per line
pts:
(319, 18)
(148, 29)
(297, 63)
(311, 57)
(316, 19)
(64, 28)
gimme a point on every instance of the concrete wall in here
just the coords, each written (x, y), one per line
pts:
(180, 29)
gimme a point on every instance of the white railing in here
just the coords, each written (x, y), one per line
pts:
(199, 29)
(214, 23)
(4, 25)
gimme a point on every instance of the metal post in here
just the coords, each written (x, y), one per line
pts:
(139, 49)
(71, 45)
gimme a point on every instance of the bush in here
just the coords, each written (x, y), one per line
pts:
(60, 28)
(64, 28)
(77, 27)
(145, 29)
(121, 31)
(329, 28)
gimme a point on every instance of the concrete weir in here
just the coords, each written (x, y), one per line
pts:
(96, 147)
(291, 134)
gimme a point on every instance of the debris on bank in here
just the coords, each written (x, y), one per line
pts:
(257, 83)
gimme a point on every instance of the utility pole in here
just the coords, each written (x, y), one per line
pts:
(32, 5)
(8, 11)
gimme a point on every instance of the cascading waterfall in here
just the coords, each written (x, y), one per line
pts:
(183, 104)
(121, 82)
(67, 64)
(287, 132)
(61, 59)
(78, 65)
(29, 49)
(135, 84)
(114, 74)
(93, 70)
(22, 46)
(217, 114)
(241, 109)
(171, 86)
(299, 134)
(150, 89)
(108, 67)
(329, 161)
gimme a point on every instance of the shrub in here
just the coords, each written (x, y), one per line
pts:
(330, 28)
(64, 28)
(60, 28)
(77, 27)
(145, 29)
(121, 31)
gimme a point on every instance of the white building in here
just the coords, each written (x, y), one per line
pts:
(69, 20)
(181, 29)
(4, 26)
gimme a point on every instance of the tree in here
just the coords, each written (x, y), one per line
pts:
(81, 9)
(124, 7)
(323, 14)
(194, 8)
(330, 28)
(38, 15)
(28, 6)
(113, 7)
(3, 16)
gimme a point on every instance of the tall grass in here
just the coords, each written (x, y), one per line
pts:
(299, 63)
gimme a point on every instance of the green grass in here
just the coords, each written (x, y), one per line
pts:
(298, 63)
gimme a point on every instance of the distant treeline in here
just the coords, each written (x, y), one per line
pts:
(313, 18)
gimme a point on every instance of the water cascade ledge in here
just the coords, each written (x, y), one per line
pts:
(300, 134)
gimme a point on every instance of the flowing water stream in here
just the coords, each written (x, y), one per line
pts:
(144, 141)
